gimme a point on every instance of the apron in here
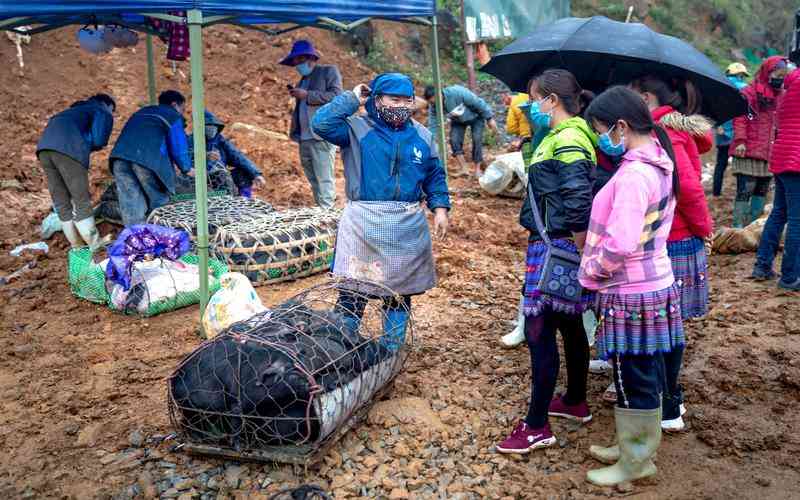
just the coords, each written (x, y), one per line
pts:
(386, 242)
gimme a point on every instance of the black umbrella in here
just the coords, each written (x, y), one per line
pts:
(601, 52)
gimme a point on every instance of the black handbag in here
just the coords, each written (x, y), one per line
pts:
(559, 273)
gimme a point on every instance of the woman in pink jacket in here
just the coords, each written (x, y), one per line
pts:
(625, 260)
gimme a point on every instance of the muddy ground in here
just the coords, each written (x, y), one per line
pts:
(83, 394)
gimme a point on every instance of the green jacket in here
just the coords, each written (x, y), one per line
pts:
(561, 175)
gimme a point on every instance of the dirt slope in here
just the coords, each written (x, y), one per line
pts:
(76, 380)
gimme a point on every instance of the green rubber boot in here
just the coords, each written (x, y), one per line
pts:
(741, 214)
(605, 455)
(757, 204)
(638, 435)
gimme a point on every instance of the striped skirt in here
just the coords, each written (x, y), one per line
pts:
(536, 302)
(639, 323)
(690, 267)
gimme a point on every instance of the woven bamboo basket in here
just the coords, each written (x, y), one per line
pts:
(279, 246)
(222, 211)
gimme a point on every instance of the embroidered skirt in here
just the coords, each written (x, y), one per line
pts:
(750, 166)
(536, 302)
(690, 267)
(639, 323)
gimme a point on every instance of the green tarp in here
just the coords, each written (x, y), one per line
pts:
(491, 19)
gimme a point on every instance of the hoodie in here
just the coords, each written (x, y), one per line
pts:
(626, 245)
(725, 138)
(757, 131)
(691, 136)
(382, 163)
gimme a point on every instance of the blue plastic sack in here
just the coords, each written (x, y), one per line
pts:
(141, 242)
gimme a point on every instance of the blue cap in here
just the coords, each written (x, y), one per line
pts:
(392, 84)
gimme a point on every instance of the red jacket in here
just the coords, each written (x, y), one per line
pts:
(691, 136)
(785, 156)
(758, 133)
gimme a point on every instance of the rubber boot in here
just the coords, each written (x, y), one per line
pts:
(757, 204)
(517, 335)
(638, 435)
(394, 329)
(72, 234)
(606, 455)
(741, 214)
(90, 235)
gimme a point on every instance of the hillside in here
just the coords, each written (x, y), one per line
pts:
(82, 389)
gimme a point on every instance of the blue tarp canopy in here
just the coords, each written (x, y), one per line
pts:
(256, 11)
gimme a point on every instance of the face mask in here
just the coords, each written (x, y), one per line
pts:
(394, 116)
(211, 131)
(539, 120)
(608, 147)
(776, 83)
(304, 69)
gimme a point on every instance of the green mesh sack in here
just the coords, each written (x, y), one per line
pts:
(87, 280)
(166, 292)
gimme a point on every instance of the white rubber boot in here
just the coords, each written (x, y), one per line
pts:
(89, 233)
(638, 437)
(72, 234)
(517, 335)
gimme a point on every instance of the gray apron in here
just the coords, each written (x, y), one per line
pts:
(386, 242)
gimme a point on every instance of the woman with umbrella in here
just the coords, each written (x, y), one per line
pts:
(560, 180)
(753, 139)
(674, 104)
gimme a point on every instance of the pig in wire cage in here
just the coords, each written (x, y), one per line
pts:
(286, 384)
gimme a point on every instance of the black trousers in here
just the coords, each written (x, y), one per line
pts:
(748, 186)
(540, 333)
(719, 170)
(638, 380)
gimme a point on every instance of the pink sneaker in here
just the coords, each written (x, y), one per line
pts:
(523, 439)
(578, 413)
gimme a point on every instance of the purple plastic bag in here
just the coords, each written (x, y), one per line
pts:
(141, 241)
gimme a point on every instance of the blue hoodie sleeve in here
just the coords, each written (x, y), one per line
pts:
(330, 121)
(478, 105)
(237, 159)
(178, 147)
(102, 124)
(435, 184)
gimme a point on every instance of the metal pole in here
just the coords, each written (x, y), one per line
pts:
(195, 21)
(151, 71)
(437, 81)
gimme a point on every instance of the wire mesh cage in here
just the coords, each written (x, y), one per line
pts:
(281, 246)
(222, 210)
(287, 383)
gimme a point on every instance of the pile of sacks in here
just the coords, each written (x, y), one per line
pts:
(102, 39)
(505, 176)
(730, 240)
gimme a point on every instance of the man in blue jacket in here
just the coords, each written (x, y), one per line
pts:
(142, 161)
(464, 109)
(63, 150)
(391, 166)
(736, 73)
(221, 153)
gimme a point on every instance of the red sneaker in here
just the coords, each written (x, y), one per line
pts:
(578, 413)
(523, 439)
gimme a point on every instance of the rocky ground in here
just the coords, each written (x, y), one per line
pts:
(82, 389)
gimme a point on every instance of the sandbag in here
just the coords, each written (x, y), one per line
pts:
(505, 176)
(728, 240)
(235, 301)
